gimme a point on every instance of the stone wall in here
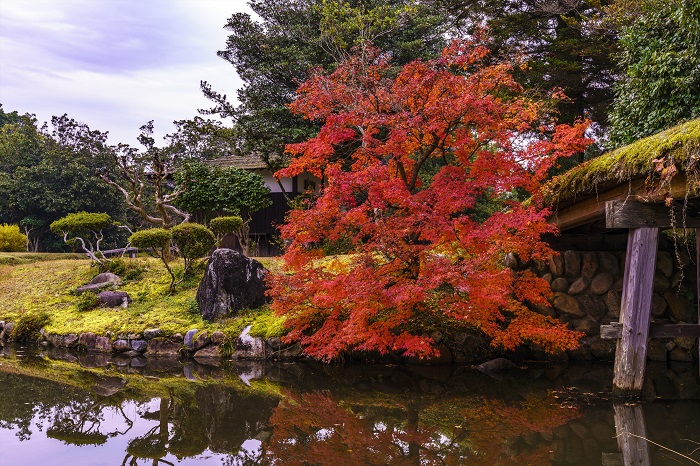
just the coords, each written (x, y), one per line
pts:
(587, 288)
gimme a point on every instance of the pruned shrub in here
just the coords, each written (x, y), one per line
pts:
(222, 226)
(193, 241)
(152, 238)
(84, 229)
(12, 239)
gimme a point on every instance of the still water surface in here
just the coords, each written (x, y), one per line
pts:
(164, 412)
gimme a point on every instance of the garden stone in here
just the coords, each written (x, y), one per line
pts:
(680, 354)
(578, 286)
(556, 265)
(101, 281)
(249, 347)
(121, 345)
(291, 352)
(664, 263)
(86, 341)
(103, 345)
(613, 301)
(658, 305)
(499, 364)
(602, 283)
(607, 262)
(589, 265)
(188, 342)
(177, 337)
(560, 284)
(201, 341)
(208, 355)
(132, 354)
(163, 347)
(593, 305)
(275, 343)
(680, 309)
(568, 305)
(218, 337)
(572, 264)
(547, 277)
(656, 351)
(152, 333)
(231, 282)
(511, 261)
(139, 345)
(114, 298)
(7, 331)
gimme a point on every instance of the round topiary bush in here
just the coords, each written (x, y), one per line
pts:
(193, 240)
(152, 238)
(12, 239)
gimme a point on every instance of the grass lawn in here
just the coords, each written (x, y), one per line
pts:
(45, 283)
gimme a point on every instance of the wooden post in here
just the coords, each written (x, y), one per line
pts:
(697, 279)
(631, 432)
(635, 311)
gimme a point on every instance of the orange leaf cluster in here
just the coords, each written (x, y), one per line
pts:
(409, 157)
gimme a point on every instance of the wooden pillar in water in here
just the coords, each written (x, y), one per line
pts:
(631, 432)
(635, 311)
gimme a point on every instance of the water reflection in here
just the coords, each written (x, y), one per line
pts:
(166, 412)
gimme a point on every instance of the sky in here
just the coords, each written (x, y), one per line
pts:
(114, 64)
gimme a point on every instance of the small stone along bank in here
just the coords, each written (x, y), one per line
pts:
(202, 346)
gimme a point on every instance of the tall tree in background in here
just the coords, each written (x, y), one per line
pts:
(660, 87)
(431, 141)
(560, 45)
(46, 174)
(275, 52)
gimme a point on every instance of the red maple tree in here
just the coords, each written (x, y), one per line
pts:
(424, 169)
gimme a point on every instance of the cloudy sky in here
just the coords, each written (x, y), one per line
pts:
(114, 64)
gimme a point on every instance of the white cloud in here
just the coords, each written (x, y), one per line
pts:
(113, 64)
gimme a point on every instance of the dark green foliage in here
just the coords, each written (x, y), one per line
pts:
(274, 51)
(127, 269)
(87, 301)
(81, 222)
(11, 239)
(661, 60)
(210, 190)
(28, 327)
(48, 172)
(193, 241)
(152, 238)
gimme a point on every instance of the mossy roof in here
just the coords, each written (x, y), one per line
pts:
(679, 144)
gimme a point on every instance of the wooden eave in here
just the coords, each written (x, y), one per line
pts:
(589, 208)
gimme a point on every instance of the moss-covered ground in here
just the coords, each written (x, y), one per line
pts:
(47, 285)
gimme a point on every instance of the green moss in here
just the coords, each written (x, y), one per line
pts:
(16, 258)
(266, 324)
(680, 144)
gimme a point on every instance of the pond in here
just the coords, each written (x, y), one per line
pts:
(81, 409)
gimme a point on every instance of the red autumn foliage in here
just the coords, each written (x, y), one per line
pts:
(424, 167)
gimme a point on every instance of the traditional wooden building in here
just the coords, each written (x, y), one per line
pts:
(624, 199)
(265, 222)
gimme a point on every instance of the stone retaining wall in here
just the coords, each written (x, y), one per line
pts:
(587, 288)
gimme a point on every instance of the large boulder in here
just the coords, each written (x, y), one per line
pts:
(232, 282)
(100, 282)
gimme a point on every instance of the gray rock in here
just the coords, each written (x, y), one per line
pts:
(163, 347)
(593, 305)
(568, 305)
(560, 284)
(613, 301)
(572, 264)
(177, 337)
(603, 350)
(6, 333)
(248, 347)
(106, 277)
(495, 365)
(587, 325)
(607, 262)
(139, 345)
(201, 341)
(602, 283)
(208, 355)
(231, 282)
(103, 345)
(218, 337)
(275, 343)
(291, 352)
(578, 286)
(114, 298)
(188, 342)
(589, 265)
(121, 345)
(86, 341)
(152, 333)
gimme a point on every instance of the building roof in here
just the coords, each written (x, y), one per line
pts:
(679, 145)
(245, 162)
